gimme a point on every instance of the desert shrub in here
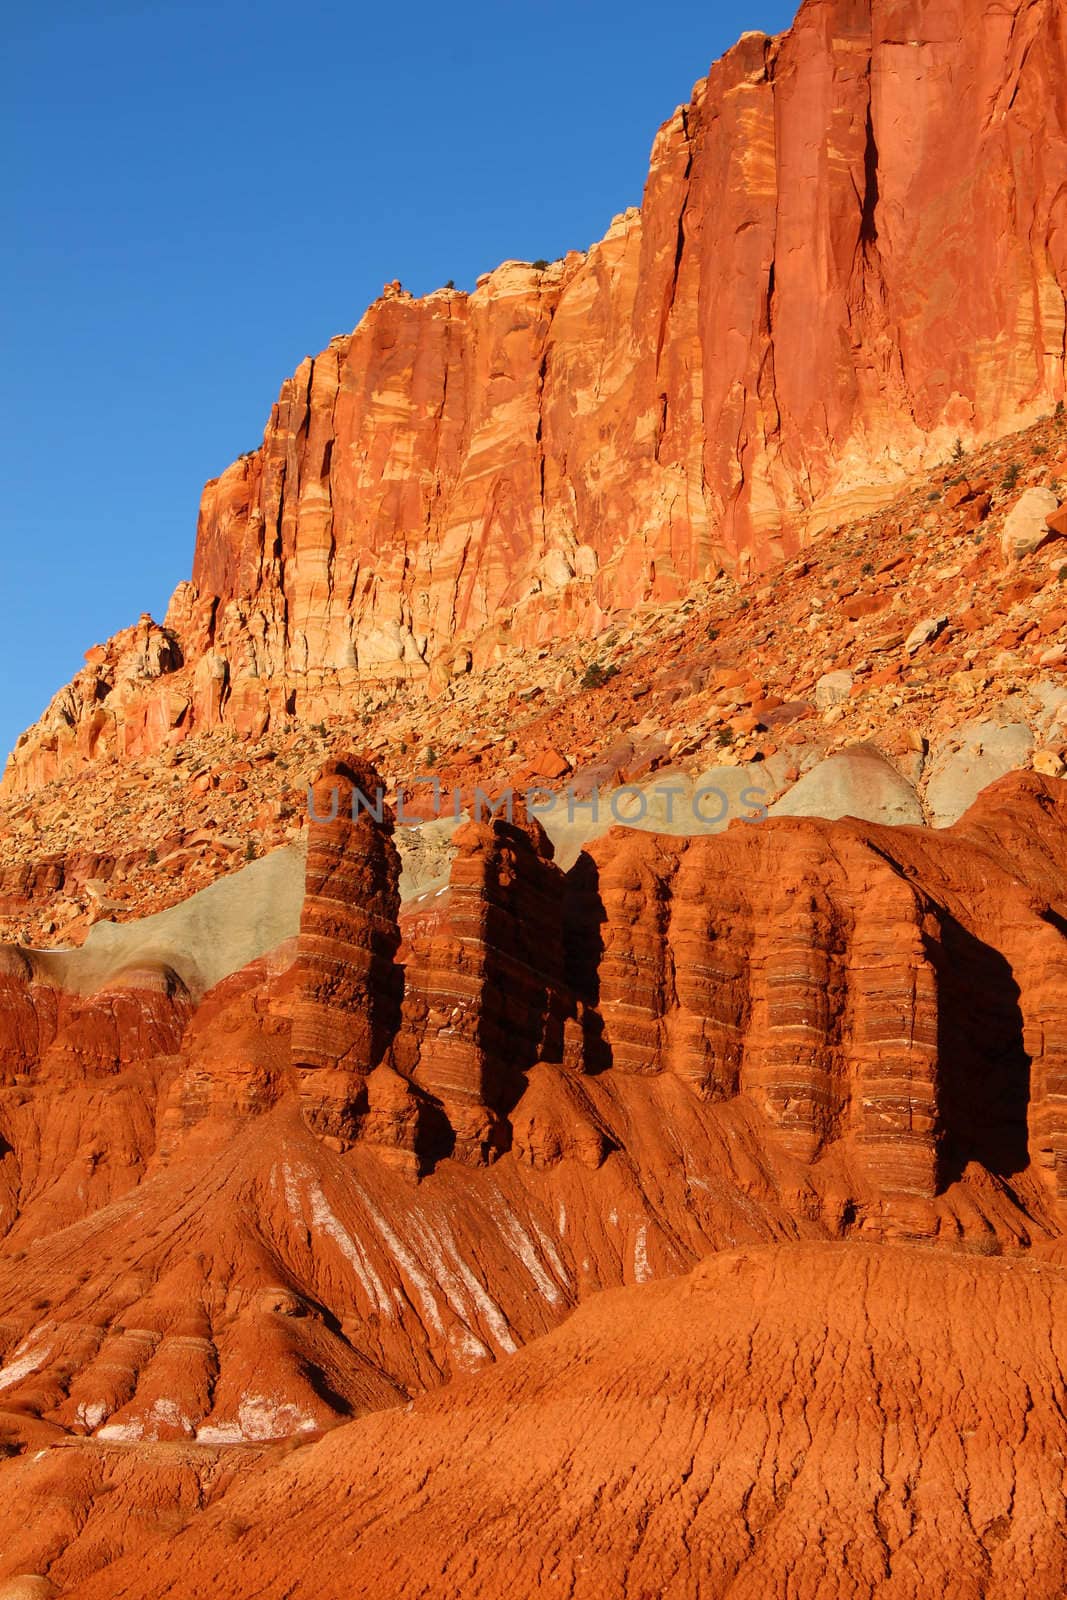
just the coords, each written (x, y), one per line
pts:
(595, 676)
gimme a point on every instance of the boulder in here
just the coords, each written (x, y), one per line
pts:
(1050, 763)
(832, 689)
(1026, 526)
(923, 632)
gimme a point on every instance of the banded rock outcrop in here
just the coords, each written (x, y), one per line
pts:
(259, 1213)
(484, 995)
(823, 974)
(851, 250)
(345, 981)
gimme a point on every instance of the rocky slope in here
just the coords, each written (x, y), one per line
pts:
(404, 1145)
(796, 1420)
(851, 251)
(934, 632)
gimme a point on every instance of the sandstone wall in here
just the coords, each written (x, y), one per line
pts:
(851, 250)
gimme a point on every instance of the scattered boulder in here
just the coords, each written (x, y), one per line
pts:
(1026, 526)
(551, 765)
(923, 632)
(832, 688)
(1050, 764)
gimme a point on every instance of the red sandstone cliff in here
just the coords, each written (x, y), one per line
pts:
(851, 250)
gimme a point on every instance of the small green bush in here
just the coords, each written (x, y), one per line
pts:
(595, 676)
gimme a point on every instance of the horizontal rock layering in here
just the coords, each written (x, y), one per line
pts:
(851, 250)
(408, 1140)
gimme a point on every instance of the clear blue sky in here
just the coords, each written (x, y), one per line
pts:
(197, 195)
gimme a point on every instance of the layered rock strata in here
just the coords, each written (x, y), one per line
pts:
(851, 252)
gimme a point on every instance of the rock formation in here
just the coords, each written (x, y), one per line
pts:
(851, 251)
(258, 1214)
(391, 1131)
(345, 982)
(720, 1434)
(485, 984)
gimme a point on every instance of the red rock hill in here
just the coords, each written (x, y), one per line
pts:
(851, 251)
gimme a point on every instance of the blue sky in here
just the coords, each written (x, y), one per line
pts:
(196, 196)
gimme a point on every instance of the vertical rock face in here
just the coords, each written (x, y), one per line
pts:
(882, 1006)
(345, 982)
(893, 1035)
(792, 1058)
(851, 250)
(1043, 1008)
(875, 996)
(484, 994)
